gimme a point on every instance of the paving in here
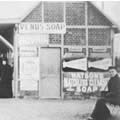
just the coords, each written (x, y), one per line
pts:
(33, 109)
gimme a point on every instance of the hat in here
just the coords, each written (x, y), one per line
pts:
(112, 67)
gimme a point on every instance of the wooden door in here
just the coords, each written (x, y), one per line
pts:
(50, 72)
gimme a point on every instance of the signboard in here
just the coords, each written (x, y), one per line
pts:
(33, 39)
(75, 49)
(73, 55)
(103, 64)
(50, 28)
(29, 68)
(99, 55)
(28, 51)
(80, 64)
(85, 82)
(99, 52)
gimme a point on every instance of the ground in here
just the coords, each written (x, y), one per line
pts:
(34, 109)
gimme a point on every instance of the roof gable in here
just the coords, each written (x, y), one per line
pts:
(34, 15)
(95, 16)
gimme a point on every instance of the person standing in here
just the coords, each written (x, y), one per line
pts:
(112, 96)
(6, 80)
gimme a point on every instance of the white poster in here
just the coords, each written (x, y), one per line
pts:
(29, 68)
(101, 64)
(28, 85)
(80, 64)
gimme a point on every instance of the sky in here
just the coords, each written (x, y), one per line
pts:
(16, 9)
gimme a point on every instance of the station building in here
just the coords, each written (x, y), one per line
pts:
(61, 49)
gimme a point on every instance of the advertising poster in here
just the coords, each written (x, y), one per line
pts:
(29, 68)
(85, 82)
(29, 73)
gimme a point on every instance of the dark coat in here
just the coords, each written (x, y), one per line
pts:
(114, 86)
(6, 81)
(113, 94)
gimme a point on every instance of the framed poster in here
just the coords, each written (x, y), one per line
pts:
(29, 68)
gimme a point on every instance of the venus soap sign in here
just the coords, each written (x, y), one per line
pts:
(42, 28)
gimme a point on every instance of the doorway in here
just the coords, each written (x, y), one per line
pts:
(50, 72)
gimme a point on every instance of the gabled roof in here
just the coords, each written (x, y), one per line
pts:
(29, 11)
(114, 24)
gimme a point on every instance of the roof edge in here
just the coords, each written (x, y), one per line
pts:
(9, 20)
(29, 11)
(115, 25)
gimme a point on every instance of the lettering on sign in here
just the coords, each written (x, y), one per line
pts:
(42, 28)
(33, 40)
(86, 82)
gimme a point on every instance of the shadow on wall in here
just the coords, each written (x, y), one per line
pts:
(117, 63)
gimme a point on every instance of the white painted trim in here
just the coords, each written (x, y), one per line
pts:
(89, 26)
(69, 46)
(98, 47)
(2, 39)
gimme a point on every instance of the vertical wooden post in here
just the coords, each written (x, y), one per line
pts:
(62, 52)
(86, 26)
(112, 46)
(39, 82)
(16, 61)
(39, 55)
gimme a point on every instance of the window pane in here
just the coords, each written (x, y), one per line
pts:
(53, 12)
(75, 13)
(55, 38)
(99, 37)
(75, 36)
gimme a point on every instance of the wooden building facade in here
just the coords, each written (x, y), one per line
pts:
(63, 48)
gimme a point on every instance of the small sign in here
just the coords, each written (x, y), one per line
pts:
(73, 55)
(52, 28)
(99, 49)
(75, 49)
(100, 55)
(28, 51)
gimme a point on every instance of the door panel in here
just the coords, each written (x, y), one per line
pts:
(50, 72)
